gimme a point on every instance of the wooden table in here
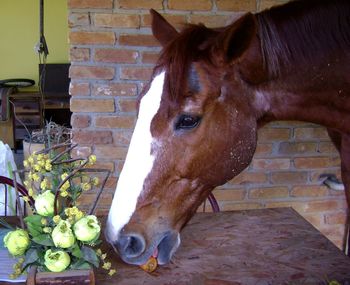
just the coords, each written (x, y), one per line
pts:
(269, 246)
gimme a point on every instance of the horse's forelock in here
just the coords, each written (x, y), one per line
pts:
(176, 58)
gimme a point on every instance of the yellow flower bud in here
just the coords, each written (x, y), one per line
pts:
(112, 272)
(48, 166)
(25, 163)
(31, 159)
(35, 177)
(86, 186)
(64, 175)
(107, 265)
(47, 230)
(95, 181)
(56, 219)
(92, 159)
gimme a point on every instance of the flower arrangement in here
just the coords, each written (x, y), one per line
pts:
(58, 235)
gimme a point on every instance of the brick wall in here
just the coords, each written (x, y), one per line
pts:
(112, 54)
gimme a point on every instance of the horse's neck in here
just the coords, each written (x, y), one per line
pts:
(320, 95)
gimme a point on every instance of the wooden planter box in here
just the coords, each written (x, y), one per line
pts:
(71, 277)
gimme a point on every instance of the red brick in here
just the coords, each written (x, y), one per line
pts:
(297, 147)
(78, 19)
(264, 4)
(140, 4)
(236, 5)
(229, 194)
(177, 21)
(127, 105)
(320, 206)
(80, 121)
(298, 206)
(316, 219)
(91, 72)
(115, 89)
(81, 152)
(249, 178)
(92, 105)
(88, 198)
(79, 4)
(327, 147)
(120, 165)
(316, 162)
(115, 122)
(234, 206)
(115, 55)
(262, 149)
(102, 165)
(211, 21)
(79, 54)
(310, 133)
(117, 20)
(331, 231)
(309, 191)
(150, 57)
(196, 5)
(92, 137)
(138, 40)
(268, 193)
(110, 152)
(289, 177)
(136, 73)
(271, 164)
(273, 134)
(79, 88)
(335, 218)
(122, 138)
(111, 183)
(92, 38)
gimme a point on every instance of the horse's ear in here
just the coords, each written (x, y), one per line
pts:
(236, 38)
(161, 29)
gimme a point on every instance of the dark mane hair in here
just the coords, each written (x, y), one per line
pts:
(301, 30)
(175, 58)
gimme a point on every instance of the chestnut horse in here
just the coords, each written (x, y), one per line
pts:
(210, 91)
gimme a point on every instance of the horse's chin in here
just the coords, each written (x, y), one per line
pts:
(163, 248)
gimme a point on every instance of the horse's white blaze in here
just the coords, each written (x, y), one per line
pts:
(138, 163)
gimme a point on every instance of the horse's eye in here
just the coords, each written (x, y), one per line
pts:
(185, 122)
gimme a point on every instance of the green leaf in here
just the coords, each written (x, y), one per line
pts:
(90, 255)
(76, 251)
(43, 239)
(80, 264)
(31, 257)
(33, 219)
(34, 230)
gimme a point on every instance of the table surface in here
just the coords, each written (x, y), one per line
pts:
(268, 246)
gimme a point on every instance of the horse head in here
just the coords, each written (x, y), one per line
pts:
(196, 129)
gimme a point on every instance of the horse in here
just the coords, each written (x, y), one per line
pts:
(210, 91)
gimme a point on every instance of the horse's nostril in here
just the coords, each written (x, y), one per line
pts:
(131, 245)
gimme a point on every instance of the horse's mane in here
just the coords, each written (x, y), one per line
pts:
(302, 31)
(299, 31)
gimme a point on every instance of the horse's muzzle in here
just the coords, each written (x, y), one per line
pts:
(133, 249)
